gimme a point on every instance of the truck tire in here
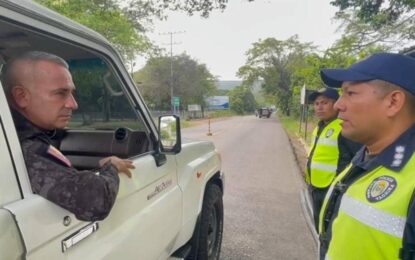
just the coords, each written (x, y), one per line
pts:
(211, 224)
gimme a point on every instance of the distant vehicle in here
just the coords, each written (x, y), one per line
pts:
(264, 112)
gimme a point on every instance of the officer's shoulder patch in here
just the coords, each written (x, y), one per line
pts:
(57, 155)
(329, 132)
(380, 188)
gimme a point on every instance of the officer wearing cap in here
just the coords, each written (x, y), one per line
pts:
(329, 152)
(40, 90)
(369, 212)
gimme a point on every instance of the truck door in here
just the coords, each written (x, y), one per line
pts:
(11, 243)
(147, 214)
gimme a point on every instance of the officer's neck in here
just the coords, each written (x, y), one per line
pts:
(326, 122)
(385, 138)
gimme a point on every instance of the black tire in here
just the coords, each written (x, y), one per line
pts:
(211, 224)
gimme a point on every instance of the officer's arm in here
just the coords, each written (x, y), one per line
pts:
(87, 194)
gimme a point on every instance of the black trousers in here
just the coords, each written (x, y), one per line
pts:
(317, 195)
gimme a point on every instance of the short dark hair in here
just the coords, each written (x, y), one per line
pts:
(9, 79)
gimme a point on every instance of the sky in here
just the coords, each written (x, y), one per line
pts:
(222, 40)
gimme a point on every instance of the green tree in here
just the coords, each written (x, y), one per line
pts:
(274, 62)
(341, 54)
(242, 100)
(391, 23)
(192, 81)
(377, 13)
(107, 18)
(159, 7)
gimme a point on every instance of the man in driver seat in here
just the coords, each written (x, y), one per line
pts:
(40, 91)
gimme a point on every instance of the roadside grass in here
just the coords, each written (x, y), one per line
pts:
(185, 123)
(292, 126)
(297, 140)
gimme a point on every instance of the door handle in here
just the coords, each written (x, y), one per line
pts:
(79, 235)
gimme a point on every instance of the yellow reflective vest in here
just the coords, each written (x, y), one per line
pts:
(324, 155)
(370, 220)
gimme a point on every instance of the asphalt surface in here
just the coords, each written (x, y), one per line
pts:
(263, 210)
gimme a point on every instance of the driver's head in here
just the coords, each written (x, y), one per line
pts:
(39, 86)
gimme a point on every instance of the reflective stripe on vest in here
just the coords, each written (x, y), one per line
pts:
(373, 217)
(325, 155)
(328, 142)
(324, 167)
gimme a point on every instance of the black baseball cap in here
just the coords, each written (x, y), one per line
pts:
(327, 92)
(394, 68)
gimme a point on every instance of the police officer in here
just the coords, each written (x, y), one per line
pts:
(40, 90)
(368, 212)
(329, 152)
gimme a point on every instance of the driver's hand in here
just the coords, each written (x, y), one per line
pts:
(123, 166)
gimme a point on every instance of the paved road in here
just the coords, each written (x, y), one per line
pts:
(263, 216)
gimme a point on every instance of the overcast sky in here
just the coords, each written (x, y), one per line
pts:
(221, 40)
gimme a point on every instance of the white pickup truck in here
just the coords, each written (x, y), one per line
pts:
(172, 206)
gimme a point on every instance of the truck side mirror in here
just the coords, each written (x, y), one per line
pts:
(169, 134)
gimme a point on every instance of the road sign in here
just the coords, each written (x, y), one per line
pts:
(194, 107)
(176, 101)
(303, 95)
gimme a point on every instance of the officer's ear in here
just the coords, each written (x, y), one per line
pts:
(395, 102)
(20, 96)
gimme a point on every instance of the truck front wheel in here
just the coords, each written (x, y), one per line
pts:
(211, 224)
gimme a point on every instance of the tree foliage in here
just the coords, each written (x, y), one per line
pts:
(391, 23)
(341, 55)
(107, 18)
(191, 81)
(204, 7)
(284, 67)
(242, 100)
(377, 13)
(274, 62)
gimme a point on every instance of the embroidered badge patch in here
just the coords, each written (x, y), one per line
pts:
(55, 153)
(330, 132)
(380, 188)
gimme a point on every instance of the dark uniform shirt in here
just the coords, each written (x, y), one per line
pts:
(89, 195)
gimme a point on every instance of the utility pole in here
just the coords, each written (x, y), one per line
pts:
(173, 106)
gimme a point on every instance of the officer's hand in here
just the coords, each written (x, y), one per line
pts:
(123, 166)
